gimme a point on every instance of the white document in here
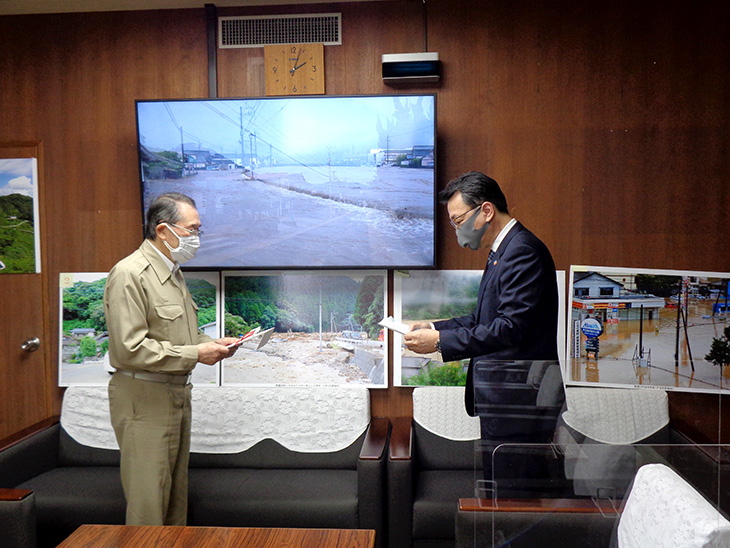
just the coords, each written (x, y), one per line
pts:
(393, 325)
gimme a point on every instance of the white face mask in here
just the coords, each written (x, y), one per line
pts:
(186, 248)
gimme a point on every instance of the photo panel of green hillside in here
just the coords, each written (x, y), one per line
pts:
(315, 328)
(83, 357)
(665, 329)
(430, 295)
(19, 234)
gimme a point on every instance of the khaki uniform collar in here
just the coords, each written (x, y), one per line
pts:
(156, 260)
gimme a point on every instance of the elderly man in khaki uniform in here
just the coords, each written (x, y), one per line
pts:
(154, 344)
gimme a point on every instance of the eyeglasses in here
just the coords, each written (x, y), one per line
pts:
(453, 221)
(191, 231)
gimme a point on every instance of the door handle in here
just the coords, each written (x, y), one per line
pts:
(31, 345)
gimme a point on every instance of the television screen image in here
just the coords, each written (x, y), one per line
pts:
(300, 182)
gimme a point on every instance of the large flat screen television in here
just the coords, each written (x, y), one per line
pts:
(300, 182)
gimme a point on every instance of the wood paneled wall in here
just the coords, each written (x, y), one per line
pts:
(605, 123)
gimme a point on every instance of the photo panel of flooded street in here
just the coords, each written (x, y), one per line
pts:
(653, 328)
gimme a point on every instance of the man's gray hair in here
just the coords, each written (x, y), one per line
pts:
(165, 209)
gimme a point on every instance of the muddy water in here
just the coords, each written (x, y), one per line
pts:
(619, 344)
(338, 216)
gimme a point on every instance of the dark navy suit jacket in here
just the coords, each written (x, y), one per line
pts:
(516, 316)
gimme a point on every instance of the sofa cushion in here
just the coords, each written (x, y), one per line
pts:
(68, 496)
(606, 470)
(436, 501)
(73, 453)
(438, 453)
(268, 454)
(273, 498)
(29, 457)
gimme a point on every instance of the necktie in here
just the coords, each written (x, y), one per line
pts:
(491, 257)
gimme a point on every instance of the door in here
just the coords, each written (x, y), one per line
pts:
(26, 376)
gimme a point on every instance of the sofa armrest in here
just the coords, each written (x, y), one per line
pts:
(29, 457)
(14, 495)
(371, 470)
(400, 483)
(17, 518)
(376, 439)
(401, 439)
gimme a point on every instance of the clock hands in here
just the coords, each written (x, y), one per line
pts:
(296, 67)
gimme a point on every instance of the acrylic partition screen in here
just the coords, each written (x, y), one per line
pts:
(428, 295)
(641, 327)
(300, 182)
(315, 327)
(83, 357)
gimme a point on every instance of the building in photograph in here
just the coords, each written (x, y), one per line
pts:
(607, 300)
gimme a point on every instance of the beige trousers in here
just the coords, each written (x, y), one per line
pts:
(151, 421)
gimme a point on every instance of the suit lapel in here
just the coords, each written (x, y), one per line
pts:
(492, 266)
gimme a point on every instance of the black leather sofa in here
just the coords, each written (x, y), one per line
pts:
(427, 475)
(431, 472)
(50, 485)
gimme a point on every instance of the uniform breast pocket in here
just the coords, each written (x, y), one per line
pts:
(171, 322)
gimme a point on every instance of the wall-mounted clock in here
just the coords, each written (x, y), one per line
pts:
(294, 69)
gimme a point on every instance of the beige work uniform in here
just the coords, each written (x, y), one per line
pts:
(153, 327)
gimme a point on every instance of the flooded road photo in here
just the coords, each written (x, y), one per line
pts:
(616, 363)
(328, 217)
(299, 182)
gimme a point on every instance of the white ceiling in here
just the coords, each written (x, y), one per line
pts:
(18, 7)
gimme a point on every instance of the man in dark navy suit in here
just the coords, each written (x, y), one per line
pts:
(514, 324)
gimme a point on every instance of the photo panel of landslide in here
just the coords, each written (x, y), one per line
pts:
(642, 327)
(314, 328)
(308, 182)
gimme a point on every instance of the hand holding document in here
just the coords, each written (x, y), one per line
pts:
(399, 327)
(244, 338)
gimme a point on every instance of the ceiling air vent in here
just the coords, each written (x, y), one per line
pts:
(261, 30)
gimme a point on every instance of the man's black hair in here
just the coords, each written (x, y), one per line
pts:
(475, 188)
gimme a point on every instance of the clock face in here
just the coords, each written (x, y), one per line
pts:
(294, 69)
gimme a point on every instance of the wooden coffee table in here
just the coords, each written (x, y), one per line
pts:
(128, 536)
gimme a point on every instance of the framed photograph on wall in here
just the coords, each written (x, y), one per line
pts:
(83, 339)
(631, 327)
(315, 327)
(20, 244)
(429, 295)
